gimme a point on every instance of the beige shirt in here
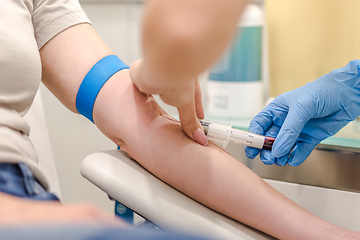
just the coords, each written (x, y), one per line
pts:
(25, 27)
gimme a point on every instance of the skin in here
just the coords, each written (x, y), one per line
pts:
(206, 173)
(15, 211)
(180, 40)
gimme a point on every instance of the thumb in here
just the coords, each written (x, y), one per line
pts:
(190, 123)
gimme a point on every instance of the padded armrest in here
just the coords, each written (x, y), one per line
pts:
(129, 183)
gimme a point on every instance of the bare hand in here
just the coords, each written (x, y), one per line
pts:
(185, 96)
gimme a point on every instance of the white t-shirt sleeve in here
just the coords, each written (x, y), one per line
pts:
(50, 17)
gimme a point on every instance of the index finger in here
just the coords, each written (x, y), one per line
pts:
(190, 123)
(200, 113)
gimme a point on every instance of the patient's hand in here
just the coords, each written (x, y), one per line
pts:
(15, 210)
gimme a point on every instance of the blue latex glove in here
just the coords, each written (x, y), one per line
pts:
(302, 118)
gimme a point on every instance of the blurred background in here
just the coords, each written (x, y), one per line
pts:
(308, 39)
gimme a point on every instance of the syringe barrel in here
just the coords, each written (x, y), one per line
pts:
(222, 134)
(216, 132)
(247, 138)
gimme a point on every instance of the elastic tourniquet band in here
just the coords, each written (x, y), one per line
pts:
(94, 81)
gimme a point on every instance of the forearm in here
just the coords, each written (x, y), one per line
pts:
(207, 174)
(183, 38)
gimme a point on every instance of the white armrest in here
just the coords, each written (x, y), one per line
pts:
(129, 183)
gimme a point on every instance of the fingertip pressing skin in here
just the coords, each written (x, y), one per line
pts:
(200, 137)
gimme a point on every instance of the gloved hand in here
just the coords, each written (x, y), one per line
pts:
(302, 118)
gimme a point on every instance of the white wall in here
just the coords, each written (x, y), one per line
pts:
(73, 137)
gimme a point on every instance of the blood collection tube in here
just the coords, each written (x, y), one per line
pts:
(222, 134)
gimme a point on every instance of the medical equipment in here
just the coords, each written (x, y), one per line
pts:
(237, 76)
(222, 134)
(94, 81)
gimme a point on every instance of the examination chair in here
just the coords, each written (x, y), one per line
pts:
(126, 181)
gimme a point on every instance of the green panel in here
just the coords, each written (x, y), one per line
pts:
(242, 61)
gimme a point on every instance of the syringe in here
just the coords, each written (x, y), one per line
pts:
(222, 134)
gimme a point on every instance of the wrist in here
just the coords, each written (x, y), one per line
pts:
(345, 86)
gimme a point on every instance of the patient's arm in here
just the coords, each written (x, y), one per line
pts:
(207, 174)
